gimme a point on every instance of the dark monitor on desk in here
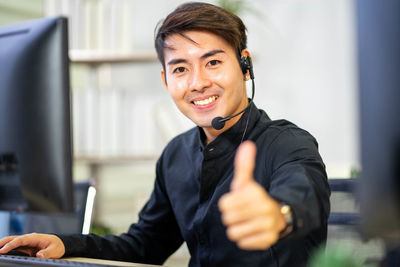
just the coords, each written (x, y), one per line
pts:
(379, 67)
(35, 131)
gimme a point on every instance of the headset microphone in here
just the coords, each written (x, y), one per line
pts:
(218, 123)
(245, 64)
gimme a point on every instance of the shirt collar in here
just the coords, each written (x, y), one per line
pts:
(229, 140)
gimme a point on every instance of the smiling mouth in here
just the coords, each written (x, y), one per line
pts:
(205, 101)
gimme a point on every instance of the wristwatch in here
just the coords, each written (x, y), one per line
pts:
(286, 211)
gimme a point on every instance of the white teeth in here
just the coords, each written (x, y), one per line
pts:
(205, 101)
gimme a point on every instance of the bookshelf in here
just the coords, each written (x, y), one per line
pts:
(113, 80)
(104, 109)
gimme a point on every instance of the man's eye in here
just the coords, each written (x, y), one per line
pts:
(179, 70)
(214, 62)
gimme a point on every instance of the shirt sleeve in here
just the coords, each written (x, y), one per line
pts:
(152, 240)
(299, 179)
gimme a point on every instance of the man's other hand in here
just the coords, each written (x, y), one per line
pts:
(35, 245)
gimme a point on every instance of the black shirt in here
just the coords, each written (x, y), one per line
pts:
(191, 178)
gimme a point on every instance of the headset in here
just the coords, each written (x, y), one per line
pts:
(246, 65)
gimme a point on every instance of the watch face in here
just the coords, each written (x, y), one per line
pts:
(287, 214)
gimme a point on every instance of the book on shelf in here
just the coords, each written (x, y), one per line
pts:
(96, 25)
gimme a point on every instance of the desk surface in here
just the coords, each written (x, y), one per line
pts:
(108, 262)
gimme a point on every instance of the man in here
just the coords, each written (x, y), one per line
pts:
(264, 208)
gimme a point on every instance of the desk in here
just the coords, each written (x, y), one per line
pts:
(108, 262)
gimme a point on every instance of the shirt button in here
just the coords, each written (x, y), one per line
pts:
(299, 223)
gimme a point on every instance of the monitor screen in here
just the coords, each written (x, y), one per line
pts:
(379, 67)
(35, 131)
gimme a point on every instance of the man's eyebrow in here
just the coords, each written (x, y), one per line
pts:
(176, 61)
(212, 53)
(206, 55)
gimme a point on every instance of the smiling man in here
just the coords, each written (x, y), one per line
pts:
(240, 189)
(204, 78)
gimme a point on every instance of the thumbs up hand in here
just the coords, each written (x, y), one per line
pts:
(253, 218)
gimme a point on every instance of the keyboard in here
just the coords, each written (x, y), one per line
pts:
(20, 261)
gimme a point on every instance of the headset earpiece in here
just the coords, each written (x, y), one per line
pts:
(246, 65)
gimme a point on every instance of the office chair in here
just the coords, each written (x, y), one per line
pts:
(344, 221)
(343, 198)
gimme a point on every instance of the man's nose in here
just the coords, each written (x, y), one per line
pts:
(200, 80)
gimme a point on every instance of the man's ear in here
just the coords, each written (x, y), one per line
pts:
(245, 53)
(164, 79)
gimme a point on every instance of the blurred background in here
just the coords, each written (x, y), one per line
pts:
(304, 57)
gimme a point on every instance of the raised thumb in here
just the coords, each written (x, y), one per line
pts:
(245, 160)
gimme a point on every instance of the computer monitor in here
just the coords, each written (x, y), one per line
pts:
(378, 27)
(35, 131)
